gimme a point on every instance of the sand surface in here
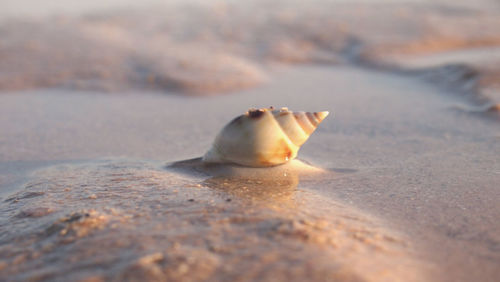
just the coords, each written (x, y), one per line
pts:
(404, 159)
(97, 101)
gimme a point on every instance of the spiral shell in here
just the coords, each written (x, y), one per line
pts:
(263, 137)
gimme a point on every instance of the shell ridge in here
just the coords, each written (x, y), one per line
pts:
(293, 148)
(299, 134)
(312, 119)
(304, 123)
(289, 140)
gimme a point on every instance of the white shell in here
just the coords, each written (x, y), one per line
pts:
(263, 137)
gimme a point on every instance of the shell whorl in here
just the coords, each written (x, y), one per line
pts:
(263, 137)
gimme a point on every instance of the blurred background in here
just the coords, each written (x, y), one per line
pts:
(209, 47)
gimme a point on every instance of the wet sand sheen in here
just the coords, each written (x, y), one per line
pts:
(150, 221)
(407, 158)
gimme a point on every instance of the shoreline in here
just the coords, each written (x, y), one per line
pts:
(173, 57)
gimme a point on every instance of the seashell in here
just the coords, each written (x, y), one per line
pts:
(263, 137)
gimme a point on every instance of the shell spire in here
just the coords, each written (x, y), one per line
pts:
(263, 137)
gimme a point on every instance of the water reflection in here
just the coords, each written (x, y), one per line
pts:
(270, 185)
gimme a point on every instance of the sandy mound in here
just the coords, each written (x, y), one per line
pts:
(133, 221)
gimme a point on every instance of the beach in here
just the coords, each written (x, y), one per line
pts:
(408, 189)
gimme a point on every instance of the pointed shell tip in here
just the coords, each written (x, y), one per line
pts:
(322, 115)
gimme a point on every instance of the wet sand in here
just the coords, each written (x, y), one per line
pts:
(141, 222)
(96, 104)
(399, 151)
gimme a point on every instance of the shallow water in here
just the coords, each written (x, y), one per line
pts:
(411, 175)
